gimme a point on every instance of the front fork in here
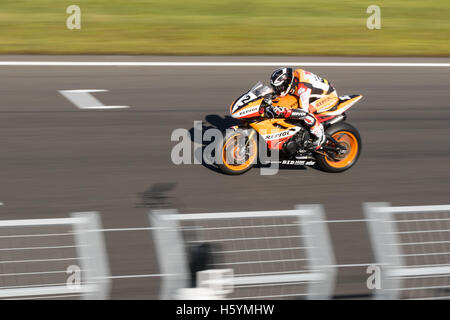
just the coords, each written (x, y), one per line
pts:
(250, 136)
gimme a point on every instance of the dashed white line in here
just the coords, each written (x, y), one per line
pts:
(84, 100)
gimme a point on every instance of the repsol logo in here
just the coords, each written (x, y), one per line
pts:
(279, 135)
(248, 111)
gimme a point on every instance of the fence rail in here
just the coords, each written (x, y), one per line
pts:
(413, 245)
(284, 254)
(264, 249)
(36, 254)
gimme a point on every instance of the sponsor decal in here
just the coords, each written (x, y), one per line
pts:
(321, 102)
(247, 111)
(282, 134)
(298, 162)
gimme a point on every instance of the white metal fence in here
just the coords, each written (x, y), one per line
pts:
(53, 258)
(284, 254)
(412, 244)
(273, 254)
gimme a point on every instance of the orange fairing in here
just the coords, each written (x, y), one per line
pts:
(248, 111)
(288, 101)
(231, 106)
(342, 107)
(275, 131)
(252, 109)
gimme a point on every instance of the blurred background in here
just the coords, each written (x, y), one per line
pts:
(114, 165)
(197, 27)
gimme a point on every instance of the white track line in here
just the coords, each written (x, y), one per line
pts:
(84, 100)
(215, 64)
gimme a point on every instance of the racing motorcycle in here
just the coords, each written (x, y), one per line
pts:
(289, 138)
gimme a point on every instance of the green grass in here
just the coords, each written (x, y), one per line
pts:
(247, 27)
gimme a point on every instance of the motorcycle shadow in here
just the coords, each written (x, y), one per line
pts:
(213, 121)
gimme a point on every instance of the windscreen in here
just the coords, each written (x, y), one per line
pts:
(260, 90)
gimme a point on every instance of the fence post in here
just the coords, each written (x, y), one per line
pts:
(320, 278)
(320, 251)
(384, 240)
(170, 252)
(91, 248)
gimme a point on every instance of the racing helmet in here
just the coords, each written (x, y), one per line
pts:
(281, 81)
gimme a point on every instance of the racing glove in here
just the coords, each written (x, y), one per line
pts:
(274, 112)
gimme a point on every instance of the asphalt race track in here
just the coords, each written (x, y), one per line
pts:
(56, 158)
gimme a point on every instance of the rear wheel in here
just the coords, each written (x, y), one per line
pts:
(239, 153)
(349, 139)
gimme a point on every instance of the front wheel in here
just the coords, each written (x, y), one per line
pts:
(349, 139)
(239, 152)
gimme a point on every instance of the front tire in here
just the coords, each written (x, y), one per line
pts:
(238, 152)
(348, 136)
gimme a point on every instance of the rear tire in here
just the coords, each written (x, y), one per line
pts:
(234, 161)
(347, 135)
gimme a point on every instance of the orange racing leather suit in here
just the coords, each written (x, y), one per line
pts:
(315, 95)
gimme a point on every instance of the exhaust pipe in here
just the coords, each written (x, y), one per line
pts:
(337, 119)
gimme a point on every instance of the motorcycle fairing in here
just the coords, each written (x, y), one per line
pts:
(242, 109)
(345, 103)
(249, 110)
(275, 131)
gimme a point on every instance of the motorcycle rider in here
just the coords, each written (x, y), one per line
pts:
(314, 95)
